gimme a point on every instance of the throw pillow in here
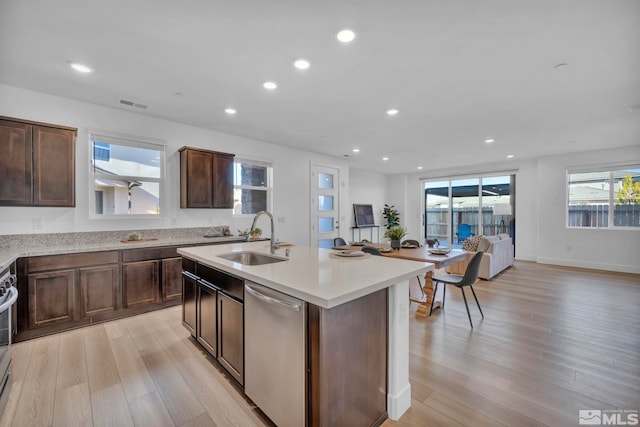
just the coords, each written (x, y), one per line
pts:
(471, 244)
(484, 245)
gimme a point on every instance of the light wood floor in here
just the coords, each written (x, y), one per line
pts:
(554, 340)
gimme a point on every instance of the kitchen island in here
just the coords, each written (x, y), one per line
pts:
(357, 328)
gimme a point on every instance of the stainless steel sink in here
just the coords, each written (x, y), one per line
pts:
(252, 258)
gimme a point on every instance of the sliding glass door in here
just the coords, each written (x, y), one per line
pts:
(458, 209)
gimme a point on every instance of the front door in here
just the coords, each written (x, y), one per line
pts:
(325, 183)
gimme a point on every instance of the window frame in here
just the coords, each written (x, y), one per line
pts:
(268, 188)
(135, 141)
(608, 169)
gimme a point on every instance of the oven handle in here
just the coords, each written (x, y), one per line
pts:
(10, 300)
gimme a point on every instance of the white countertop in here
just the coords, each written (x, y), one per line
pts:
(312, 274)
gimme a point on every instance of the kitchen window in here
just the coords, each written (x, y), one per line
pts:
(604, 198)
(252, 185)
(126, 176)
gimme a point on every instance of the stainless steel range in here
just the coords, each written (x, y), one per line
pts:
(8, 296)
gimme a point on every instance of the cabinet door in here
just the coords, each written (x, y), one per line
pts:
(189, 298)
(51, 298)
(139, 283)
(54, 173)
(231, 336)
(171, 279)
(15, 163)
(197, 179)
(98, 290)
(206, 333)
(222, 181)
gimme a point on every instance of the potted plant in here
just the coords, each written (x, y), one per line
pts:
(255, 233)
(391, 215)
(395, 234)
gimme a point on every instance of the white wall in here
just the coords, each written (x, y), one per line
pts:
(617, 250)
(541, 234)
(291, 170)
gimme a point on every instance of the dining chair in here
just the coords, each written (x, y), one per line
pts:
(339, 241)
(469, 278)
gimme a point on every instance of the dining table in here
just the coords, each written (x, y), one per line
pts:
(417, 253)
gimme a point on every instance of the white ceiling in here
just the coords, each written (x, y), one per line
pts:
(459, 71)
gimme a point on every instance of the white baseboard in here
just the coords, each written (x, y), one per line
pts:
(399, 404)
(590, 265)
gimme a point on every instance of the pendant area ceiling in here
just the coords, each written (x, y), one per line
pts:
(537, 77)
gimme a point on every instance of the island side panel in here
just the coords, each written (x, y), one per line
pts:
(348, 362)
(399, 388)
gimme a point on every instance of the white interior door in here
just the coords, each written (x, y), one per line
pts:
(325, 211)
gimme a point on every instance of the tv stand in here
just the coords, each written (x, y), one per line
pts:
(370, 227)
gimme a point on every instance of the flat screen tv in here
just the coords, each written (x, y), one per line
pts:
(364, 215)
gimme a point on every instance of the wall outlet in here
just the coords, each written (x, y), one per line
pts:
(38, 224)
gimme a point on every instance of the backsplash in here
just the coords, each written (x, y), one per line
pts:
(95, 237)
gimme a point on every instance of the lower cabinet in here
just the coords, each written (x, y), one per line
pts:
(213, 312)
(139, 283)
(72, 290)
(207, 329)
(231, 335)
(171, 278)
(51, 298)
(98, 290)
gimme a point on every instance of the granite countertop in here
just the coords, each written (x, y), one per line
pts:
(312, 274)
(17, 246)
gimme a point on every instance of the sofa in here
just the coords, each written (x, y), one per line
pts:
(498, 255)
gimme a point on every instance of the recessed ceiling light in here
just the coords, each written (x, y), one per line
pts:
(634, 108)
(346, 36)
(490, 140)
(270, 85)
(510, 156)
(81, 68)
(419, 167)
(230, 111)
(393, 111)
(385, 158)
(301, 64)
(356, 150)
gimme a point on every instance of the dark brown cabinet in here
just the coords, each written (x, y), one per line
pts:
(72, 290)
(189, 301)
(207, 330)
(139, 283)
(37, 164)
(98, 290)
(51, 298)
(171, 279)
(216, 301)
(206, 179)
(231, 335)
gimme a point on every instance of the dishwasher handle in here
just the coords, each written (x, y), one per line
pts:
(270, 300)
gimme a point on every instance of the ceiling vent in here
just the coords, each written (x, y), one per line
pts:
(133, 104)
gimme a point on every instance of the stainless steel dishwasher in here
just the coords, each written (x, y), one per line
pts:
(275, 354)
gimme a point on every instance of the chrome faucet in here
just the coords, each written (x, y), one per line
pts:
(274, 243)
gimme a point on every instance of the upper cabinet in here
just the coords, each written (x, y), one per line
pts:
(37, 164)
(206, 179)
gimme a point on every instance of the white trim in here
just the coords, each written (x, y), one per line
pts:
(634, 269)
(128, 140)
(399, 387)
(470, 175)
